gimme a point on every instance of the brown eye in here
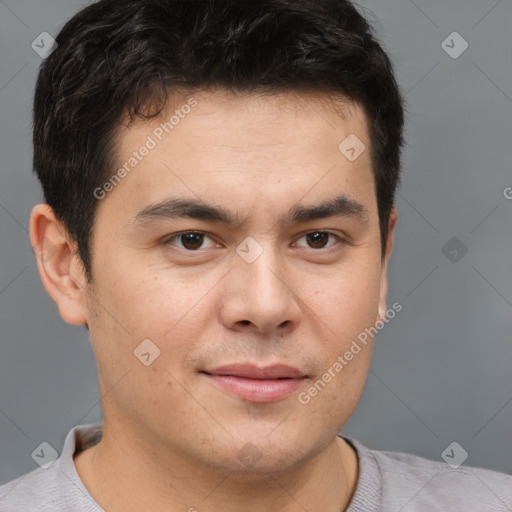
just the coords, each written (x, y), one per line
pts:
(188, 240)
(192, 241)
(320, 239)
(317, 239)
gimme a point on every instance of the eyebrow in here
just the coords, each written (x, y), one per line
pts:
(175, 208)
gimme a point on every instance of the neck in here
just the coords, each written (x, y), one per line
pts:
(127, 476)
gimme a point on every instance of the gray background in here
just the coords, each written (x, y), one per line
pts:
(441, 370)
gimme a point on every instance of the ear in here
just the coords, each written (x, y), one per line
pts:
(393, 216)
(60, 268)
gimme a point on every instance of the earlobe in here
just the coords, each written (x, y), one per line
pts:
(59, 266)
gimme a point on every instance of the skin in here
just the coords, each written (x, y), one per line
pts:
(171, 437)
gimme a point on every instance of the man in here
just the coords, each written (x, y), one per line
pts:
(219, 181)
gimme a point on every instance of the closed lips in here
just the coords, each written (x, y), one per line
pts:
(253, 372)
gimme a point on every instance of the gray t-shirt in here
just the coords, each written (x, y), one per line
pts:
(388, 481)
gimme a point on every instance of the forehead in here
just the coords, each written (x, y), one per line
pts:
(248, 121)
(244, 150)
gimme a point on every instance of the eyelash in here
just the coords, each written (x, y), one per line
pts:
(168, 241)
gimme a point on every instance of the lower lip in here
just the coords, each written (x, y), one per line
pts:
(257, 390)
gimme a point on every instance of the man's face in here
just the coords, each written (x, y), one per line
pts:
(229, 301)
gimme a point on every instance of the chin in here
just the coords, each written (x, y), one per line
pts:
(258, 452)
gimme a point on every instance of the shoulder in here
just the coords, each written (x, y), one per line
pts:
(412, 483)
(45, 490)
(55, 487)
(435, 484)
(35, 489)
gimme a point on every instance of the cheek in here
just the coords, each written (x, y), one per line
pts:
(346, 303)
(348, 310)
(125, 314)
(172, 312)
(138, 296)
(352, 309)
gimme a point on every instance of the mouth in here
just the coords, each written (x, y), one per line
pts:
(254, 384)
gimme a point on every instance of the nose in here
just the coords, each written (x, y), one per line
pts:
(261, 296)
